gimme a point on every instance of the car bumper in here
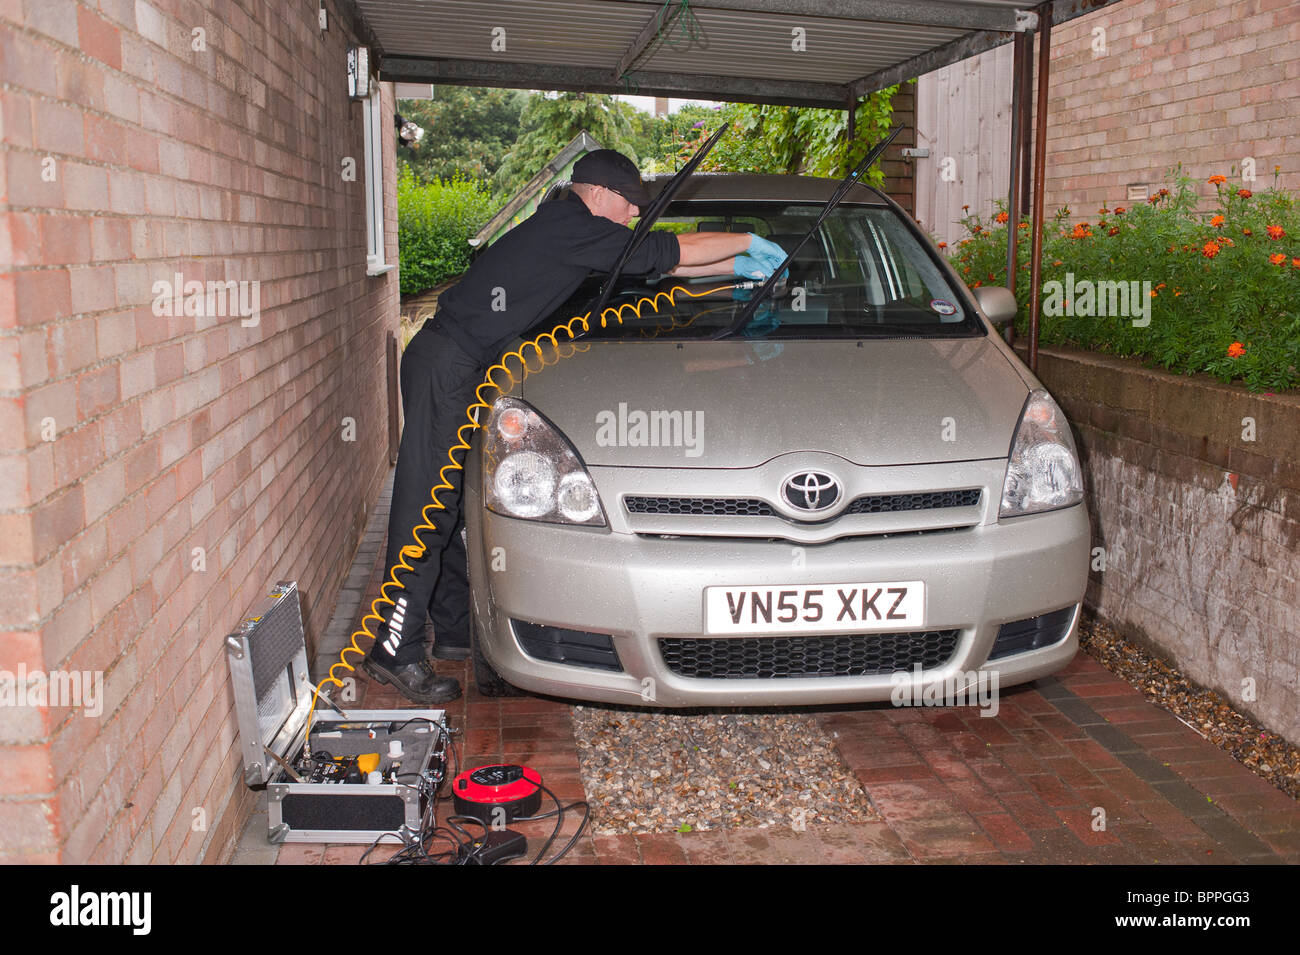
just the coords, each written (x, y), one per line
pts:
(641, 588)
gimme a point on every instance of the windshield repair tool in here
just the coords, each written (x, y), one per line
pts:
(840, 192)
(651, 215)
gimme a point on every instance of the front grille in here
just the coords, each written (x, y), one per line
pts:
(784, 658)
(1032, 633)
(577, 648)
(703, 506)
(932, 500)
(754, 507)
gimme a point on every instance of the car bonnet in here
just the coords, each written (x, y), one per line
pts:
(735, 404)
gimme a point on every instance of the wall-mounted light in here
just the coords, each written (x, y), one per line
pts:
(409, 134)
(323, 17)
(358, 72)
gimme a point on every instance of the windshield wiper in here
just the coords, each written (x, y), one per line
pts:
(650, 216)
(840, 192)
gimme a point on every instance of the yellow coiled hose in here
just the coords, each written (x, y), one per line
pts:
(417, 549)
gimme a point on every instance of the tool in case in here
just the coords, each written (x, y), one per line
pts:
(365, 773)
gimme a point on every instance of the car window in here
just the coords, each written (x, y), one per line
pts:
(861, 274)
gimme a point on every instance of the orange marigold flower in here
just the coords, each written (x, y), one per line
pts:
(1225, 241)
(1210, 250)
(943, 245)
(1103, 211)
(1217, 222)
(1161, 285)
(1246, 232)
(1236, 350)
(965, 242)
(1275, 232)
(965, 208)
(1218, 180)
(1153, 200)
(1154, 293)
(1002, 217)
(1245, 193)
(1112, 231)
(1058, 262)
(1296, 263)
(1119, 210)
(1081, 231)
(977, 284)
(1023, 225)
(1163, 192)
(1277, 258)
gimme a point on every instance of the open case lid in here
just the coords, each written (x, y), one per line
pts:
(267, 654)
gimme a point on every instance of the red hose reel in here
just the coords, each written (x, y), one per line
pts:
(497, 794)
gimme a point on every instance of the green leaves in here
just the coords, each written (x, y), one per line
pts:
(434, 224)
(1213, 280)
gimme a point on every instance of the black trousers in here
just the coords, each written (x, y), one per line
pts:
(438, 382)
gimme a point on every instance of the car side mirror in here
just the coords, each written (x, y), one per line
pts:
(997, 303)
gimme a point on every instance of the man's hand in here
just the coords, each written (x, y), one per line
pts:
(761, 260)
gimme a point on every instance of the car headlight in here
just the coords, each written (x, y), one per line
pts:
(1043, 472)
(530, 469)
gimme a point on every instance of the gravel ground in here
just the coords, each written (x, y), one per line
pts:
(657, 771)
(1203, 710)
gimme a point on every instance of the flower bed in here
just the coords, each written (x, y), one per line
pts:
(1216, 291)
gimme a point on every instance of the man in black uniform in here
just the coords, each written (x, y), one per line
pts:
(524, 276)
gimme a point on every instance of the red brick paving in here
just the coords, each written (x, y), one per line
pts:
(950, 786)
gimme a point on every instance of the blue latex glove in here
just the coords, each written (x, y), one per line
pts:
(768, 254)
(747, 267)
(760, 259)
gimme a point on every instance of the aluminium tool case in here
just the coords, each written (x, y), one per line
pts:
(332, 803)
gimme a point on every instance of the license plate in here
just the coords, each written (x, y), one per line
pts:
(815, 608)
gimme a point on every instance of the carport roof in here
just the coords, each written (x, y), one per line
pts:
(741, 49)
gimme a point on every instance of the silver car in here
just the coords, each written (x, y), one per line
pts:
(861, 492)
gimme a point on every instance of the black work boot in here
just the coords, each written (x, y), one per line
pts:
(417, 681)
(445, 649)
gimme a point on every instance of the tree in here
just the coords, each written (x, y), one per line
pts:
(551, 121)
(469, 130)
(779, 139)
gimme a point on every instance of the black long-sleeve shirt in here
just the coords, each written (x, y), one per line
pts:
(528, 272)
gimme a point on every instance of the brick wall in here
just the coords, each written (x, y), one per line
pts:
(1200, 524)
(136, 148)
(900, 183)
(1201, 82)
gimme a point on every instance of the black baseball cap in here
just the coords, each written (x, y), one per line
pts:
(611, 169)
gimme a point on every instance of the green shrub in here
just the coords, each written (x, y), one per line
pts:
(434, 224)
(1224, 290)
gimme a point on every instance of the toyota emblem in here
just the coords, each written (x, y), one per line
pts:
(811, 490)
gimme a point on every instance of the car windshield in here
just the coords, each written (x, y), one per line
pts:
(862, 274)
